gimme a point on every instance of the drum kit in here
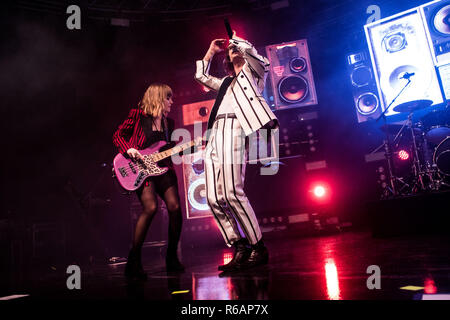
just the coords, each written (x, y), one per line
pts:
(428, 143)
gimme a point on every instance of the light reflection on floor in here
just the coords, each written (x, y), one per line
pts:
(332, 279)
(211, 288)
(319, 268)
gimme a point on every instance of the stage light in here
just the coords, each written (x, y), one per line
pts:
(429, 286)
(227, 257)
(319, 191)
(403, 155)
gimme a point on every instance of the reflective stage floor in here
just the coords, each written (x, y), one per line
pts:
(323, 267)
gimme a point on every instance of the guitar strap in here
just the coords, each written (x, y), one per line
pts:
(165, 129)
(212, 117)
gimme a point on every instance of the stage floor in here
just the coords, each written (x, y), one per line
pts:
(322, 267)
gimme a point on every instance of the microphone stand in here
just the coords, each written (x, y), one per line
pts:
(387, 148)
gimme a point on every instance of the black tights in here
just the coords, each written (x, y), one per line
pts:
(149, 202)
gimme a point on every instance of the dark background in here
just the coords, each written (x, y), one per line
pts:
(64, 92)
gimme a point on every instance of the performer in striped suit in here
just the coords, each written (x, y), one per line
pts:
(239, 110)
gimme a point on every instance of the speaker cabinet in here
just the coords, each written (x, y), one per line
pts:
(197, 112)
(364, 89)
(398, 45)
(286, 192)
(436, 17)
(194, 185)
(291, 75)
(299, 134)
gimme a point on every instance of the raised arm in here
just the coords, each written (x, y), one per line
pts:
(202, 71)
(258, 64)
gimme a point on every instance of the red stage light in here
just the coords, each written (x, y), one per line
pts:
(319, 191)
(403, 155)
(430, 286)
(227, 257)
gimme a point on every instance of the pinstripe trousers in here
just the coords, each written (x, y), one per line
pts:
(225, 162)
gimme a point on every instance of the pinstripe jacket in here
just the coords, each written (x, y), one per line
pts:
(130, 133)
(251, 108)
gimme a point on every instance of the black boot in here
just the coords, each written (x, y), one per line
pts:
(172, 262)
(241, 254)
(258, 256)
(175, 223)
(133, 269)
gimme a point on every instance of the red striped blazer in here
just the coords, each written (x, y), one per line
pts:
(130, 133)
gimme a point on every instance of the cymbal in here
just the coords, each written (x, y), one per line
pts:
(395, 128)
(412, 106)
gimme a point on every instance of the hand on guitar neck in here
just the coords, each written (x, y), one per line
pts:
(136, 155)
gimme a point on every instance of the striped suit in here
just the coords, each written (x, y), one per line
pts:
(226, 151)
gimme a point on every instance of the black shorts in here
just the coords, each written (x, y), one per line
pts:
(161, 183)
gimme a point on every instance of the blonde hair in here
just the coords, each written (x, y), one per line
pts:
(152, 102)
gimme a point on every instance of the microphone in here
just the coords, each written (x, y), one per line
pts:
(407, 75)
(228, 27)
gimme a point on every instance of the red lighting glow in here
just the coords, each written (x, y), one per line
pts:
(319, 191)
(227, 257)
(430, 286)
(331, 275)
(403, 155)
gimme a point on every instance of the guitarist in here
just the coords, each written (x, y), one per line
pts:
(146, 125)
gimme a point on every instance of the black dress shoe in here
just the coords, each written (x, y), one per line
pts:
(241, 254)
(258, 256)
(173, 264)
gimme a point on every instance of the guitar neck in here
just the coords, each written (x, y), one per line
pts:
(168, 153)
